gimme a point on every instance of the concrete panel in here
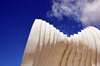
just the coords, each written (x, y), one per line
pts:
(79, 50)
(68, 50)
(32, 44)
(42, 36)
(94, 48)
(91, 49)
(56, 45)
(96, 34)
(46, 42)
(74, 49)
(51, 45)
(80, 47)
(63, 44)
(53, 49)
(89, 54)
(63, 62)
(61, 50)
(40, 46)
(58, 52)
(85, 49)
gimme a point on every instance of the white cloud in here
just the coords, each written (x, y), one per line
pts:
(86, 11)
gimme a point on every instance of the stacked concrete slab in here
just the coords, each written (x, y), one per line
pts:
(47, 46)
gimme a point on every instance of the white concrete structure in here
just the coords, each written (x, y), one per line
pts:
(47, 46)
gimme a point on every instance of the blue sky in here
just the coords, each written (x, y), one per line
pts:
(16, 19)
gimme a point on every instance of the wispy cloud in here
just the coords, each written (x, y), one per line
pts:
(86, 11)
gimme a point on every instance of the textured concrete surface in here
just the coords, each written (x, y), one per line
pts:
(47, 46)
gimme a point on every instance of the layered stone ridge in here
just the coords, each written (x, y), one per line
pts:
(47, 46)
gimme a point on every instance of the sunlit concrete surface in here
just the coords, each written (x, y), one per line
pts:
(47, 46)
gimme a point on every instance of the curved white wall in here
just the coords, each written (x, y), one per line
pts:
(47, 46)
